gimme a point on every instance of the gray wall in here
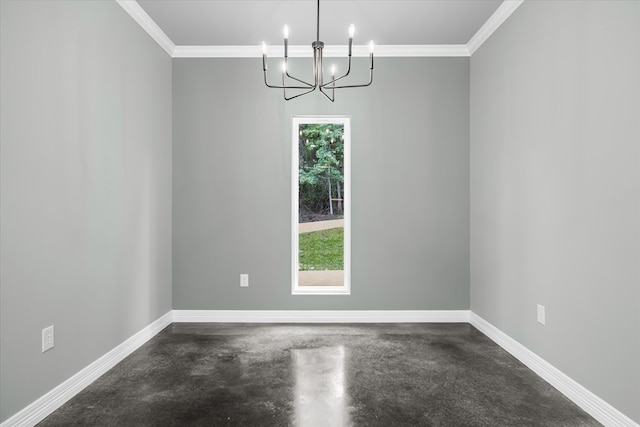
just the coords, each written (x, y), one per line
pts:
(555, 184)
(410, 186)
(85, 190)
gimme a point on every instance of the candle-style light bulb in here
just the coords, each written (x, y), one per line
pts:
(333, 70)
(284, 67)
(371, 56)
(285, 32)
(351, 31)
(264, 56)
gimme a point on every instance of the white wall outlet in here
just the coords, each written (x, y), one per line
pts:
(541, 314)
(244, 280)
(47, 338)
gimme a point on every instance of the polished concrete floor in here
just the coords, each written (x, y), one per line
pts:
(320, 375)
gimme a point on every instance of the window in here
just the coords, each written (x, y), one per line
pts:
(321, 194)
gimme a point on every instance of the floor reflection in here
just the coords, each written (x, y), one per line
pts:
(320, 389)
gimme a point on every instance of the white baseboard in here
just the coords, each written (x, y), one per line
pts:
(322, 316)
(589, 402)
(44, 406)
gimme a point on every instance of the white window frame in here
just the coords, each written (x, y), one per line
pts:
(320, 290)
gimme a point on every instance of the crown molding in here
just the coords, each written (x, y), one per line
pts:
(493, 23)
(140, 16)
(300, 51)
(303, 51)
(217, 52)
(425, 50)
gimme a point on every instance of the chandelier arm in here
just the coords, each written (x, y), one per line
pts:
(286, 62)
(336, 79)
(300, 94)
(287, 87)
(331, 83)
(298, 80)
(283, 85)
(348, 70)
(284, 90)
(347, 73)
(353, 86)
(333, 94)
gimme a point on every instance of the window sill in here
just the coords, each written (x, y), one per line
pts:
(321, 290)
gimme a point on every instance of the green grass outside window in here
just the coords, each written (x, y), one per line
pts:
(322, 250)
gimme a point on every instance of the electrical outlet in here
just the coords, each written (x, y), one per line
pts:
(541, 315)
(47, 338)
(244, 280)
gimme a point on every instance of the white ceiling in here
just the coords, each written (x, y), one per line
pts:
(250, 22)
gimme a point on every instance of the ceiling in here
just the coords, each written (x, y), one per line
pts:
(386, 22)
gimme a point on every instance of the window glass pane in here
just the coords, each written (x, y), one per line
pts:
(320, 204)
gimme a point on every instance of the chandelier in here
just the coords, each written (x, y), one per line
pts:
(327, 88)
